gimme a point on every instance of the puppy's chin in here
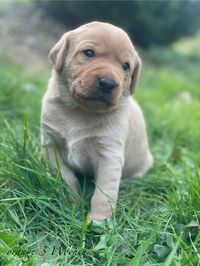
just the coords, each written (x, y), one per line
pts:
(97, 104)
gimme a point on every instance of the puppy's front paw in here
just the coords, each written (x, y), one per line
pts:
(95, 216)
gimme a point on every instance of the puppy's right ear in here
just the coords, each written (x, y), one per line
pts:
(59, 51)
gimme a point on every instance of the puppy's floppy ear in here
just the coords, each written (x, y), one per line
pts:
(59, 51)
(135, 74)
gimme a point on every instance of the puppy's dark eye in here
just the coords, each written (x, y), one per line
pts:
(89, 53)
(126, 66)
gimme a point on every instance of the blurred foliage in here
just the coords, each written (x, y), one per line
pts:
(149, 22)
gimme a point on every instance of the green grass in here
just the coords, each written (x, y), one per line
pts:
(157, 218)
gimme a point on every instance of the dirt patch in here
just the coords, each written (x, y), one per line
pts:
(27, 35)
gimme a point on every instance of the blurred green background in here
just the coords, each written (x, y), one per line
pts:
(149, 22)
(157, 222)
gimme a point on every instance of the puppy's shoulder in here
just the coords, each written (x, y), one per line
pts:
(135, 108)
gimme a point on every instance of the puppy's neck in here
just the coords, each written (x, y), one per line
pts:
(58, 91)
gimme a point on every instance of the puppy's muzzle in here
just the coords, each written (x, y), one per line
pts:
(106, 85)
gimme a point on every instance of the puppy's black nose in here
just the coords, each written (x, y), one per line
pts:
(106, 84)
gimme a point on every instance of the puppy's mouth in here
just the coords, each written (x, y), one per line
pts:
(100, 99)
(99, 103)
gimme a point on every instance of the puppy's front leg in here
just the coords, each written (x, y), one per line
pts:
(56, 161)
(105, 196)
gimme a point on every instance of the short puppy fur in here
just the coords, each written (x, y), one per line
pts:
(88, 113)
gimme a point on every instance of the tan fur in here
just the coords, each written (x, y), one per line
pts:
(104, 138)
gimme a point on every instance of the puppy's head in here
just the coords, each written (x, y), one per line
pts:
(97, 64)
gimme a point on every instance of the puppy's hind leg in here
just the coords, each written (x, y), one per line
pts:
(148, 163)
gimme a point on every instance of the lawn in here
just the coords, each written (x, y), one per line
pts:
(157, 217)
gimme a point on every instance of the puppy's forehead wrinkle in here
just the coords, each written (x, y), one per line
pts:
(110, 36)
(88, 44)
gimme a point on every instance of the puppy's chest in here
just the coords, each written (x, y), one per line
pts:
(87, 144)
(81, 153)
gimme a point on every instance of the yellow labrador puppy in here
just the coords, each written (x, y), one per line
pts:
(88, 113)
